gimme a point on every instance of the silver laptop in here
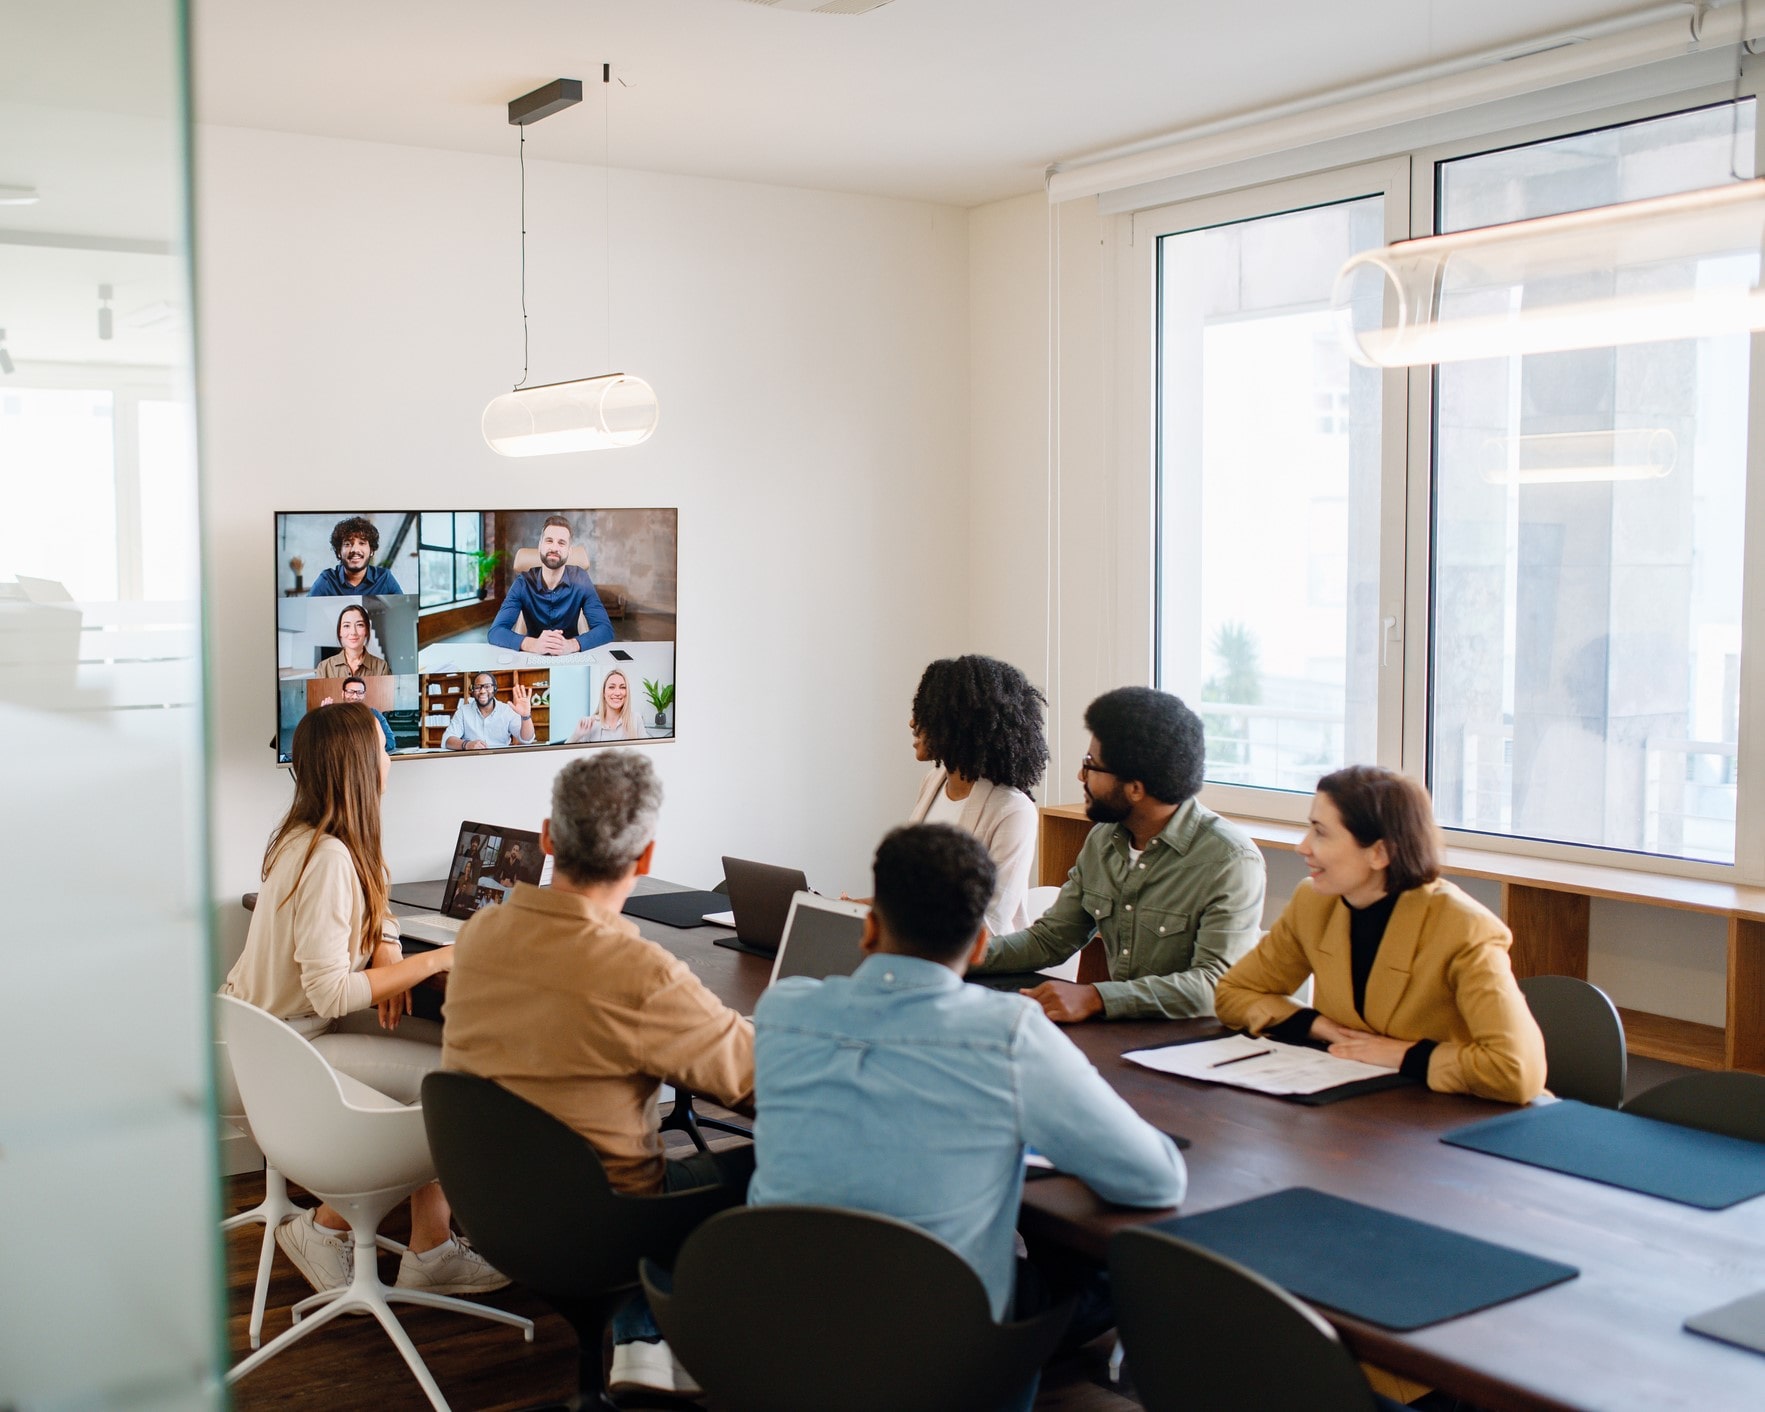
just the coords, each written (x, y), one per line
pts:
(821, 938)
(486, 863)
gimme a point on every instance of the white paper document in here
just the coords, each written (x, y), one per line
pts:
(1265, 1065)
(719, 919)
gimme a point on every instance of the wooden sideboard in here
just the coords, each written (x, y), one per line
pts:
(1546, 904)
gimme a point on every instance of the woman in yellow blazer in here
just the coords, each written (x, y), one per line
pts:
(1411, 973)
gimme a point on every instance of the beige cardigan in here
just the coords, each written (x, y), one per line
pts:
(1004, 820)
(300, 957)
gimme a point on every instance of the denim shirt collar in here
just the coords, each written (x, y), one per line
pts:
(895, 973)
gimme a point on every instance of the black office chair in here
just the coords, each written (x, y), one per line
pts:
(534, 1199)
(806, 1308)
(1722, 1101)
(1203, 1334)
(1584, 1052)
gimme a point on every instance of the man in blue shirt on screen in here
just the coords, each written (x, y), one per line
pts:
(903, 1091)
(355, 542)
(356, 689)
(553, 602)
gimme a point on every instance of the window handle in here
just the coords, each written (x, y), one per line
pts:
(1388, 626)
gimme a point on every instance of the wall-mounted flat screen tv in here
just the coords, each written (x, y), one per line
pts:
(479, 630)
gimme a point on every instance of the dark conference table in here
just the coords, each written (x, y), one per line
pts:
(1607, 1341)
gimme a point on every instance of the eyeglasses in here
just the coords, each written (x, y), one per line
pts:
(1088, 766)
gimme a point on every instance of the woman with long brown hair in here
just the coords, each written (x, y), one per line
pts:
(354, 659)
(322, 946)
(1411, 973)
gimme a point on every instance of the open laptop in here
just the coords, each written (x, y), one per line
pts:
(821, 938)
(486, 863)
(760, 897)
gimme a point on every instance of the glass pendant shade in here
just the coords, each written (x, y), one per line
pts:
(1671, 267)
(590, 414)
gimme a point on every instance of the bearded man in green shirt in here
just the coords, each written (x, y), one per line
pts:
(1174, 891)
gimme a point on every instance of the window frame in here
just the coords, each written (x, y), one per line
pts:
(1406, 553)
(454, 552)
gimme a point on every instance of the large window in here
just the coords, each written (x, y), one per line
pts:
(1518, 577)
(1587, 558)
(97, 472)
(451, 560)
(1269, 506)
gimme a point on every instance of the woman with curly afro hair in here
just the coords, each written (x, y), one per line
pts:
(980, 722)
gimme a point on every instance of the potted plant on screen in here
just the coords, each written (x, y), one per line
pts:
(486, 561)
(661, 697)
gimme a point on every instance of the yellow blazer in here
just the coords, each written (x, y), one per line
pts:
(1442, 973)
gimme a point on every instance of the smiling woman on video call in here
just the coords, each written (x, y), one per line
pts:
(354, 660)
(615, 718)
(1411, 973)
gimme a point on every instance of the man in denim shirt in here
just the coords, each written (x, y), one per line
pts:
(903, 1091)
(1172, 890)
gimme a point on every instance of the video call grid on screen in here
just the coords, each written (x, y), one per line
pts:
(453, 624)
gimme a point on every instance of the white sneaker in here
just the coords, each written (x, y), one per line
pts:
(641, 1367)
(325, 1257)
(452, 1267)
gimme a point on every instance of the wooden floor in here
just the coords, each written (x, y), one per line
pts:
(350, 1363)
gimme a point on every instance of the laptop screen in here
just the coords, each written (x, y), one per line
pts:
(488, 860)
(821, 938)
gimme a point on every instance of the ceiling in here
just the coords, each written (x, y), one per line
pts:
(957, 101)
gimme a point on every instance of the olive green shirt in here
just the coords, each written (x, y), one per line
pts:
(1172, 924)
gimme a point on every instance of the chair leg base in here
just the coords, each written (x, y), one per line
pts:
(366, 1294)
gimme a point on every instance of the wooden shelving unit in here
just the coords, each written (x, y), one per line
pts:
(1546, 904)
(442, 692)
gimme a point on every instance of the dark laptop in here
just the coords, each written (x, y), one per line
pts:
(760, 896)
(486, 863)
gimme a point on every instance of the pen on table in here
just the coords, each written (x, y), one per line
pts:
(1255, 1054)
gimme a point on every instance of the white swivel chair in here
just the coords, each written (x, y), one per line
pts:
(275, 1208)
(355, 1149)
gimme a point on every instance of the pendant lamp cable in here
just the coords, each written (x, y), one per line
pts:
(607, 198)
(521, 154)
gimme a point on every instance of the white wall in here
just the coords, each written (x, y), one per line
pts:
(358, 308)
(1097, 574)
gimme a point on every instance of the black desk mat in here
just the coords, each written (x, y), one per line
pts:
(1366, 1263)
(1686, 1165)
(675, 909)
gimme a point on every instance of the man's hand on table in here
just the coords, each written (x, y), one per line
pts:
(1065, 1003)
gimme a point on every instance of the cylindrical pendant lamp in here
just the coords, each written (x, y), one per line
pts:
(1684, 266)
(590, 414)
(1573, 457)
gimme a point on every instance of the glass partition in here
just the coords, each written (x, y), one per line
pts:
(109, 1248)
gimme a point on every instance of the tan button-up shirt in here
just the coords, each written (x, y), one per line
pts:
(565, 1004)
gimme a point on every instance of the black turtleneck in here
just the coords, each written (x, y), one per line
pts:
(1366, 931)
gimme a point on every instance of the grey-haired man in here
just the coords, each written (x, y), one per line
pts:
(557, 997)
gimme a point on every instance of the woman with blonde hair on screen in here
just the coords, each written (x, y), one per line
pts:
(615, 718)
(1411, 973)
(323, 946)
(354, 660)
